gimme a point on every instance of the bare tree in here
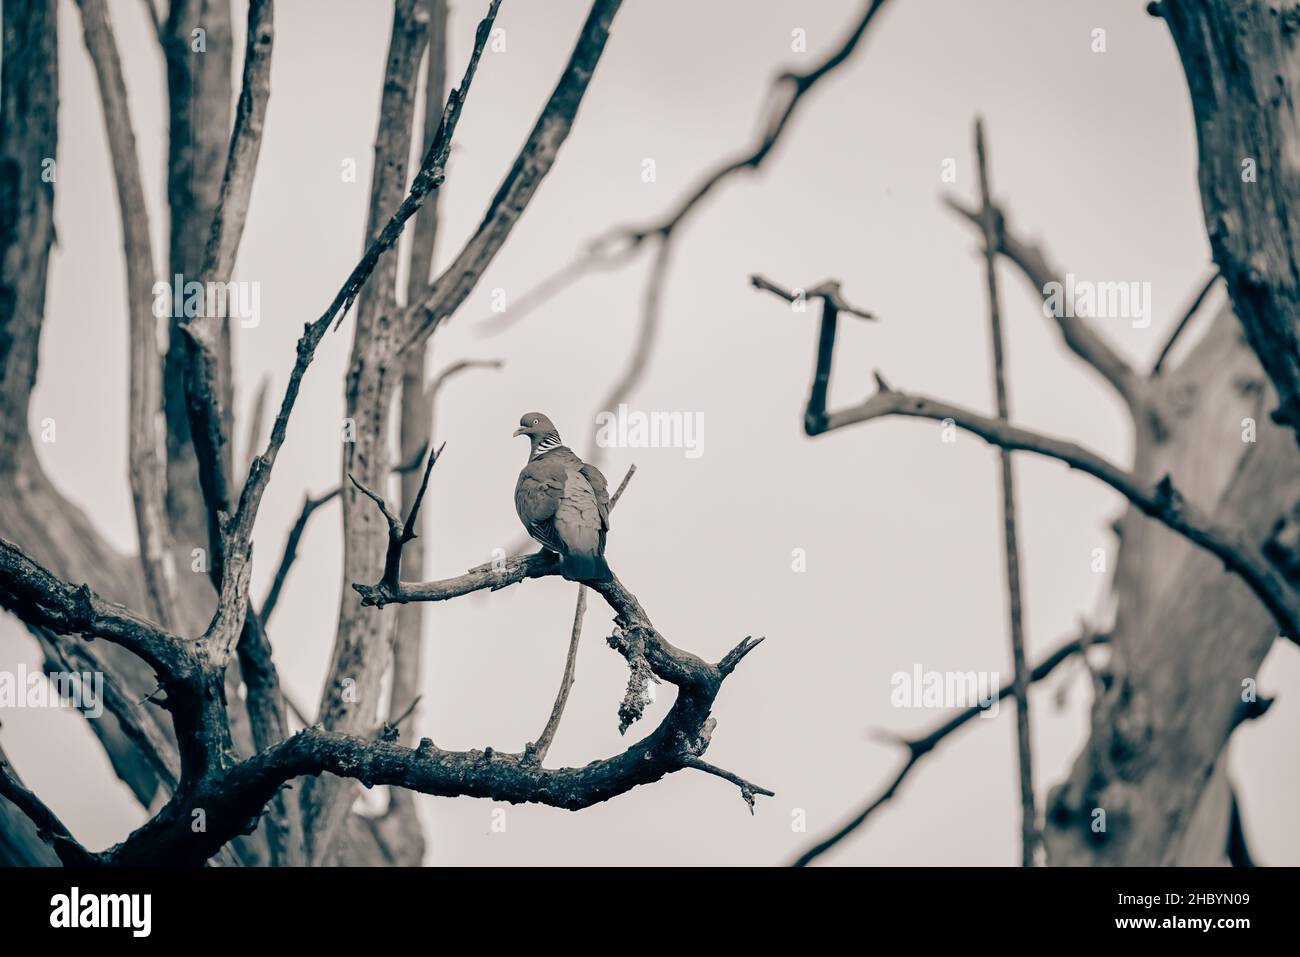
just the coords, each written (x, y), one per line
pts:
(192, 748)
(1206, 577)
(1203, 591)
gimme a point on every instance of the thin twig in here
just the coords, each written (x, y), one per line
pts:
(399, 532)
(405, 713)
(828, 290)
(918, 748)
(620, 243)
(256, 418)
(461, 365)
(309, 506)
(596, 258)
(833, 303)
(642, 348)
(1077, 332)
(1011, 550)
(1188, 315)
(531, 166)
(747, 790)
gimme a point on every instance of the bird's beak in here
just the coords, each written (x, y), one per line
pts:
(517, 432)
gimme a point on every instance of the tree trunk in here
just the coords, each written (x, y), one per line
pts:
(1155, 761)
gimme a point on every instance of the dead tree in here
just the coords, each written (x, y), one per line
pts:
(1206, 574)
(174, 648)
(1202, 581)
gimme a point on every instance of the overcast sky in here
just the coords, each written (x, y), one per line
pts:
(1092, 152)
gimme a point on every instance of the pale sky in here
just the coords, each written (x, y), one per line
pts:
(1094, 153)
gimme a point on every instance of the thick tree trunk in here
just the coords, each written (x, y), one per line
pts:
(363, 646)
(1243, 73)
(32, 512)
(198, 137)
(1155, 762)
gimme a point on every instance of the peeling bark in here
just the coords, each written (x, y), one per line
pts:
(1243, 73)
(1155, 761)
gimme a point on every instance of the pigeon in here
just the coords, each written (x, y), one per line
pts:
(563, 502)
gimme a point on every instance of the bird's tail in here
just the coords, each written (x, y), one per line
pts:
(585, 567)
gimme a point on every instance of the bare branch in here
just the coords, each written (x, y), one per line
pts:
(235, 627)
(242, 793)
(531, 166)
(620, 243)
(1030, 839)
(747, 790)
(79, 657)
(291, 544)
(827, 290)
(1188, 315)
(147, 467)
(431, 175)
(198, 124)
(48, 826)
(203, 378)
(1076, 331)
(642, 349)
(787, 92)
(378, 343)
(1160, 501)
(918, 748)
(462, 365)
(595, 258)
(269, 723)
(256, 419)
(309, 506)
(245, 144)
(814, 421)
(42, 600)
(400, 532)
(537, 750)
(236, 537)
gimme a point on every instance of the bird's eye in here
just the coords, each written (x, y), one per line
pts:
(534, 421)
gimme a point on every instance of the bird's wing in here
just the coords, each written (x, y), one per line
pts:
(537, 497)
(601, 488)
(544, 534)
(580, 517)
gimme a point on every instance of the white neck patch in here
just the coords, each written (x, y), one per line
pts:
(548, 442)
